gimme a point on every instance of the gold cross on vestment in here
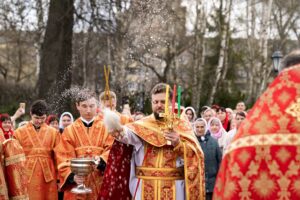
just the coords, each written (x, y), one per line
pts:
(89, 152)
(294, 109)
(167, 193)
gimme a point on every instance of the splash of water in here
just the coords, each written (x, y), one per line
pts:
(56, 104)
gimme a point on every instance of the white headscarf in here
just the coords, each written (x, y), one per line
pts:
(60, 119)
(209, 109)
(193, 110)
(199, 120)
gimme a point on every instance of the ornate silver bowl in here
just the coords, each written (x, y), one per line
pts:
(82, 167)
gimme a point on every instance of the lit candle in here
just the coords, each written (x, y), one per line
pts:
(173, 99)
(179, 100)
(167, 101)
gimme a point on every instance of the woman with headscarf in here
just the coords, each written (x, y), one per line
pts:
(212, 155)
(190, 114)
(217, 131)
(208, 114)
(65, 120)
(52, 121)
(6, 125)
(224, 118)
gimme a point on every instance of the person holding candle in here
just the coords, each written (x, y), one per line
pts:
(159, 170)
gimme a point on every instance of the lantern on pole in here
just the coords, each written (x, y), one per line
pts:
(276, 58)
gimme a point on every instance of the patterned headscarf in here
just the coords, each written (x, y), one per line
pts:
(220, 132)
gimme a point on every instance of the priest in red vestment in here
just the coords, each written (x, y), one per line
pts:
(85, 138)
(263, 160)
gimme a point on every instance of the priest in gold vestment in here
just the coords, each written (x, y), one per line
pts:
(38, 141)
(86, 137)
(263, 160)
(159, 169)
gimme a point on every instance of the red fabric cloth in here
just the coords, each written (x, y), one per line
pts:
(263, 160)
(115, 183)
(226, 123)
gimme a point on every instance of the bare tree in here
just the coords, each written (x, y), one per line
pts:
(264, 44)
(257, 61)
(250, 48)
(16, 38)
(40, 7)
(56, 54)
(159, 39)
(286, 17)
(224, 34)
(199, 53)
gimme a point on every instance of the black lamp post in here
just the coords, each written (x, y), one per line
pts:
(276, 58)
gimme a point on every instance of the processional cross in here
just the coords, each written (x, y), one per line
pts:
(107, 95)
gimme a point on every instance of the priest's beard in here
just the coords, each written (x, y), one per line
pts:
(157, 117)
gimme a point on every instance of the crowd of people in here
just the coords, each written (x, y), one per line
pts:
(151, 157)
(50, 142)
(214, 130)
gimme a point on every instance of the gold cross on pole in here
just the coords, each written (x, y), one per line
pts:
(107, 91)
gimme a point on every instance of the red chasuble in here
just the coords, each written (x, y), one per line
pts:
(263, 160)
(116, 176)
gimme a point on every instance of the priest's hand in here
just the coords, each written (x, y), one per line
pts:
(173, 137)
(79, 179)
(118, 134)
(112, 121)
